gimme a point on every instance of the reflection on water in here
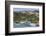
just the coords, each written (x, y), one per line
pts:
(26, 24)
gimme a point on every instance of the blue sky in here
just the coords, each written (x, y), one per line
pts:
(25, 9)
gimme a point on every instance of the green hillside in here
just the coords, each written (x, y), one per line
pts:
(19, 16)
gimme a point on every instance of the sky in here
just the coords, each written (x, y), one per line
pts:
(25, 9)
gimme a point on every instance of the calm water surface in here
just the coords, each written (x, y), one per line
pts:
(22, 25)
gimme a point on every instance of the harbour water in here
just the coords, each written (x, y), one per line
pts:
(25, 24)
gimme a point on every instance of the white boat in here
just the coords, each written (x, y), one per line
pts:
(22, 22)
(33, 24)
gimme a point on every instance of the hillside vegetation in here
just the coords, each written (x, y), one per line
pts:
(26, 16)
